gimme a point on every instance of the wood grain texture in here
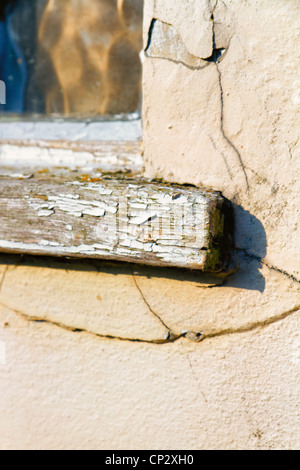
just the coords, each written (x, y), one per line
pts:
(66, 214)
(32, 156)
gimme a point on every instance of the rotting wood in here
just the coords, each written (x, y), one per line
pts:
(101, 216)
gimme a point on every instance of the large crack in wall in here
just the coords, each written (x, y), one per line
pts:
(170, 336)
(165, 42)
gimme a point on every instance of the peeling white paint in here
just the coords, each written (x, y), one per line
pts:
(71, 204)
(107, 156)
(151, 223)
(96, 212)
(138, 205)
(146, 217)
(16, 175)
(45, 213)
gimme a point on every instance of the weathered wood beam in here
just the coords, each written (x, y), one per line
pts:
(65, 213)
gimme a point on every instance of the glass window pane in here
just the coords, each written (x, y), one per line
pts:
(76, 58)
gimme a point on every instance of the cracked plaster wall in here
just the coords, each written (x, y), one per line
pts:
(97, 355)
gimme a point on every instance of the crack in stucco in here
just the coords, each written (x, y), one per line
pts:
(260, 178)
(252, 326)
(198, 337)
(196, 378)
(267, 264)
(170, 336)
(195, 336)
(170, 59)
(149, 306)
(224, 158)
(281, 271)
(178, 53)
(215, 58)
(201, 67)
(240, 160)
(73, 329)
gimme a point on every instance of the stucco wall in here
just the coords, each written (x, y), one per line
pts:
(231, 125)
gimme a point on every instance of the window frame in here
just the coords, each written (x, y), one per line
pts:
(46, 143)
(105, 149)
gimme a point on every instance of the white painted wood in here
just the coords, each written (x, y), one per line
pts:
(82, 156)
(73, 214)
(117, 128)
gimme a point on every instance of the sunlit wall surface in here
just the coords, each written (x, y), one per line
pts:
(76, 58)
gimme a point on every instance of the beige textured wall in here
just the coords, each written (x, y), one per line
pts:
(233, 126)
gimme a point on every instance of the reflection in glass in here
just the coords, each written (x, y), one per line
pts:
(71, 57)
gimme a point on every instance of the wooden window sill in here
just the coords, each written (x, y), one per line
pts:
(88, 198)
